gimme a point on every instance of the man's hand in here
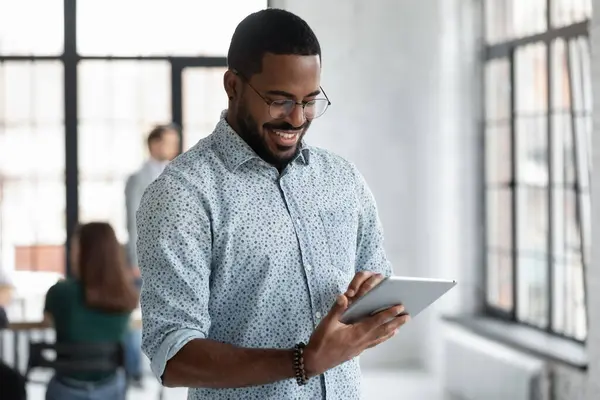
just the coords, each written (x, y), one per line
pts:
(363, 282)
(334, 343)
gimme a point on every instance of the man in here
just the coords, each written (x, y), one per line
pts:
(248, 239)
(163, 145)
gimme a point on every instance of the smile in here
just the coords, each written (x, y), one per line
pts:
(285, 138)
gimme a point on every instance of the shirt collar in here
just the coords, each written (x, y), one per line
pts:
(234, 151)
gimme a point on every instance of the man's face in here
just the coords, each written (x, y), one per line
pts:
(167, 148)
(283, 77)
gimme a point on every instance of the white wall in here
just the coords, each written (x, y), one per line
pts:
(401, 77)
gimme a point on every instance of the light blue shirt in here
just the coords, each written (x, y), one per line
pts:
(234, 251)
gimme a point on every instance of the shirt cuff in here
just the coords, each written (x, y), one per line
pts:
(171, 346)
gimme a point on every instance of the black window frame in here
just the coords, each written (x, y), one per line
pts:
(505, 50)
(70, 59)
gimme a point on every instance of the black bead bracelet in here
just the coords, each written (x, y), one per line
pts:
(301, 378)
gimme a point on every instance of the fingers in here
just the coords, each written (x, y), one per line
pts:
(371, 323)
(338, 308)
(387, 330)
(369, 284)
(357, 282)
(382, 339)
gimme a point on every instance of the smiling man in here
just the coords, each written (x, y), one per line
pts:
(253, 243)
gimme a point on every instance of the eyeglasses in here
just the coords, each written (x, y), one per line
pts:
(280, 109)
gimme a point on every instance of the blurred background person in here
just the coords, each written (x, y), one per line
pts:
(163, 146)
(91, 307)
(13, 383)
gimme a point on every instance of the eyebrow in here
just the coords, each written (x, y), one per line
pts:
(289, 95)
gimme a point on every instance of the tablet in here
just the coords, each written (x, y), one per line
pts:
(415, 294)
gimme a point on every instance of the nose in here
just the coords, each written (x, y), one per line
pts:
(296, 117)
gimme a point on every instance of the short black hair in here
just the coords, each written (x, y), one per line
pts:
(156, 134)
(273, 31)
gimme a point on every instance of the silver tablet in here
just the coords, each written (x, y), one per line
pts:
(415, 294)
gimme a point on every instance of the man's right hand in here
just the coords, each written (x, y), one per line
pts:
(334, 343)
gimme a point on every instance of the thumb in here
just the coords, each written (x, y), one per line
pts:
(338, 308)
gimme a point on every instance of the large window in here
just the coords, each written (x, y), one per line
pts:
(119, 102)
(81, 85)
(538, 163)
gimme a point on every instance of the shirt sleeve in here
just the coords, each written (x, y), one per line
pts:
(174, 251)
(370, 251)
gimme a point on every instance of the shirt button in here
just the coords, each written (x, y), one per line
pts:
(308, 267)
(318, 315)
(298, 221)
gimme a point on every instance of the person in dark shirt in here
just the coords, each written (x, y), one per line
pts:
(93, 306)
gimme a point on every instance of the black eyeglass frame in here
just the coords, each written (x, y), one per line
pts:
(303, 104)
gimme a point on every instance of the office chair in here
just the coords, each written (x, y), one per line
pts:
(75, 357)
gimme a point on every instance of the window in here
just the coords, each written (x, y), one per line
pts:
(174, 27)
(200, 112)
(538, 162)
(32, 165)
(119, 103)
(77, 101)
(24, 31)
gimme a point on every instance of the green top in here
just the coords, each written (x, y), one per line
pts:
(75, 322)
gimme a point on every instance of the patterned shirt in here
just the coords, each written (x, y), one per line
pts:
(234, 251)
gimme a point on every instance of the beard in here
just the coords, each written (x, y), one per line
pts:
(249, 131)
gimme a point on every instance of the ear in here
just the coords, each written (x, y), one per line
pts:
(230, 83)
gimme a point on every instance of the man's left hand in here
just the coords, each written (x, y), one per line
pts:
(363, 282)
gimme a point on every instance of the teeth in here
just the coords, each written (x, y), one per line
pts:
(286, 135)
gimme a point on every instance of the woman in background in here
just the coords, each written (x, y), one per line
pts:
(92, 306)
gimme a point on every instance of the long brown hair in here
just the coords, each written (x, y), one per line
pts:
(102, 270)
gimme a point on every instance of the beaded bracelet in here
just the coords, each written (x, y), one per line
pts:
(301, 378)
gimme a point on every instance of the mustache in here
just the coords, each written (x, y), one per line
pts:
(287, 127)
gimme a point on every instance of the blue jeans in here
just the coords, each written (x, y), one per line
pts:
(70, 389)
(133, 353)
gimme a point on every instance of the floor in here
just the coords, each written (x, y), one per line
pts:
(378, 385)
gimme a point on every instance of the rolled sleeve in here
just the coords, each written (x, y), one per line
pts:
(370, 251)
(174, 250)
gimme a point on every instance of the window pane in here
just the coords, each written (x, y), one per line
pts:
(35, 93)
(532, 221)
(203, 100)
(531, 79)
(31, 27)
(583, 127)
(532, 290)
(499, 219)
(566, 228)
(119, 102)
(580, 76)
(176, 27)
(586, 221)
(566, 12)
(32, 189)
(498, 154)
(532, 151)
(561, 98)
(497, 90)
(563, 156)
(569, 314)
(509, 19)
(572, 117)
(499, 280)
